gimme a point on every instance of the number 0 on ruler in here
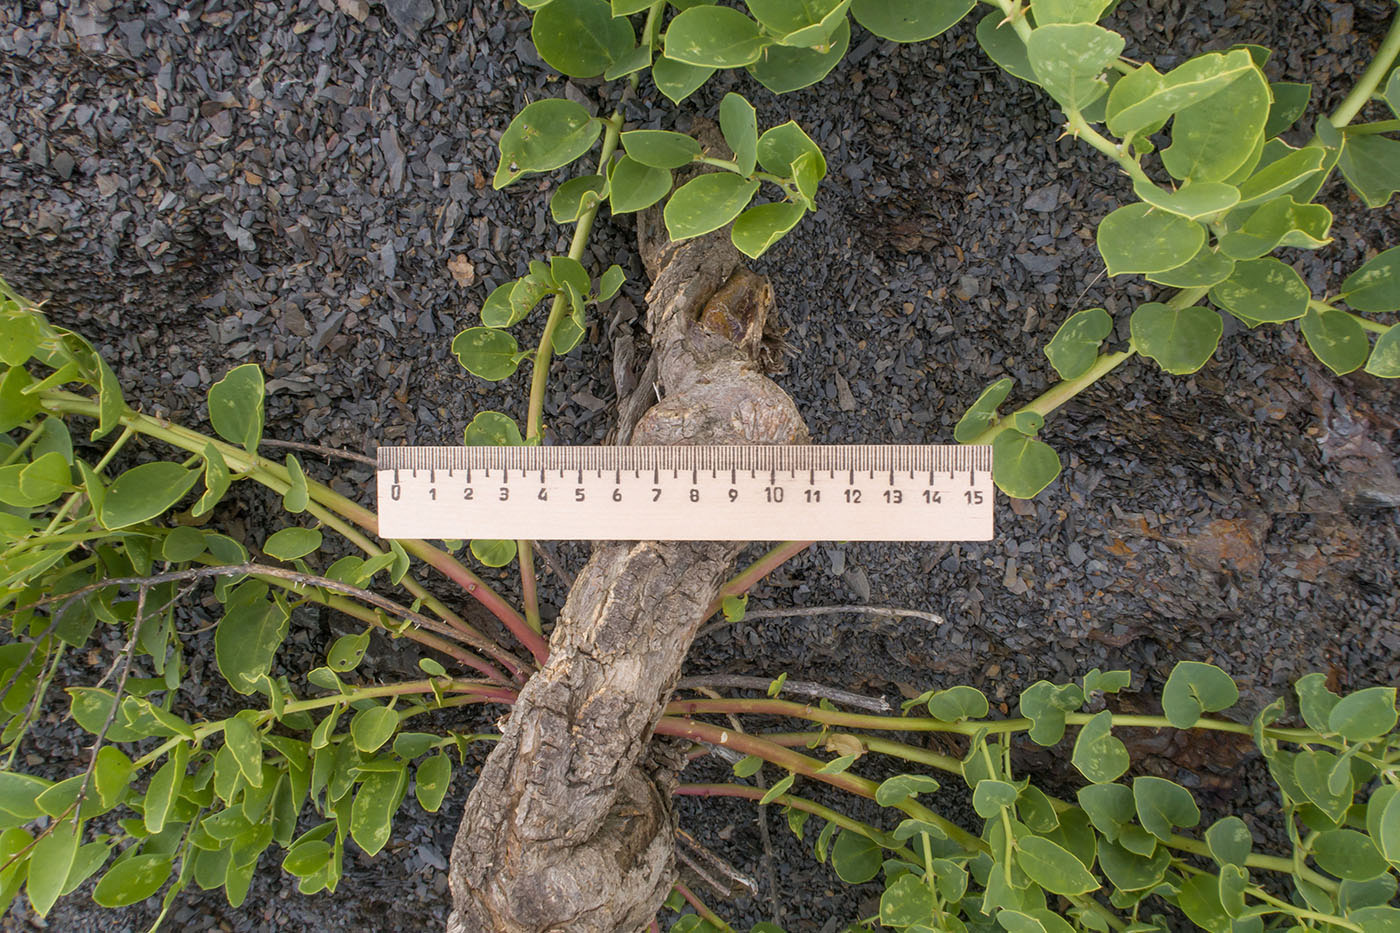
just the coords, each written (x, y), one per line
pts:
(793, 493)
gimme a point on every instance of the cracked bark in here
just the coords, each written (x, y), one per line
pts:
(570, 825)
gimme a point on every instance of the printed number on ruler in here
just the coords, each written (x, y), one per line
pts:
(828, 493)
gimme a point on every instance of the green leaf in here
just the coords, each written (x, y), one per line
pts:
(908, 829)
(297, 496)
(1383, 820)
(958, 703)
(90, 708)
(245, 744)
(738, 121)
(493, 552)
(15, 406)
(1199, 899)
(164, 788)
(545, 135)
(50, 861)
(248, 636)
(631, 62)
(677, 80)
(17, 795)
(111, 773)
(909, 20)
(758, 228)
(1193, 201)
(634, 186)
(1375, 286)
(989, 797)
(1075, 346)
(569, 271)
(236, 406)
(779, 788)
(291, 543)
(1205, 269)
(1139, 238)
(799, 23)
(1097, 681)
(780, 147)
(144, 492)
(1337, 339)
(373, 809)
(708, 202)
(571, 199)
(42, 481)
(895, 790)
(1385, 355)
(1290, 102)
(431, 781)
(1052, 867)
(492, 429)
(906, 901)
(1129, 871)
(1144, 98)
(1229, 841)
(1023, 466)
(1214, 137)
(713, 37)
(783, 69)
(1391, 94)
(487, 352)
(372, 726)
(983, 413)
(660, 148)
(1371, 165)
(611, 281)
(1263, 291)
(581, 38)
(1098, 754)
(1364, 715)
(1375, 919)
(1108, 806)
(1312, 771)
(1069, 11)
(182, 544)
(132, 880)
(1045, 705)
(1315, 701)
(216, 481)
(1194, 688)
(1280, 222)
(1181, 342)
(19, 335)
(856, 858)
(1349, 855)
(999, 40)
(1162, 805)
(1068, 58)
(1282, 175)
(347, 651)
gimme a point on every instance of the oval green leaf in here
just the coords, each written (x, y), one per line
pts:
(759, 227)
(144, 492)
(1075, 346)
(580, 37)
(713, 37)
(1180, 342)
(707, 203)
(291, 543)
(236, 406)
(487, 352)
(1023, 466)
(910, 20)
(1140, 238)
(634, 186)
(1375, 287)
(546, 135)
(133, 880)
(1336, 338)
(660, 148)
(1263, 291)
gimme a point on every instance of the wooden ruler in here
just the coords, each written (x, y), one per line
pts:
(778, 493)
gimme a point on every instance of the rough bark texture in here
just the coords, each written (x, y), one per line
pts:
(569, 826)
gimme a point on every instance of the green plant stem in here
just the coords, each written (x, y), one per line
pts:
(1370, 129)
(872, 743)
(263, 470)
(790, 709)
(805, 765)
(700, 908)
(487, 693)
(1265, 862)
(1371, 78)
(1080, 127)
(745, 792)
(29, 440)
(1062, 392)
(529, 586)
(746, 578)
(1015, 16)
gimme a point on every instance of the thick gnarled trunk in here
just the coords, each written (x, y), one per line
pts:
(570, 826)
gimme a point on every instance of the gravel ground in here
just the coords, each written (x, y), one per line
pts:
(199, 185)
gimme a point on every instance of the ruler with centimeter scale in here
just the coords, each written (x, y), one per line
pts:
(894, 492)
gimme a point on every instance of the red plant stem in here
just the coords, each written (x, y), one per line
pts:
(746, 578)
(816, 714)
(701, 909)
(453, 569)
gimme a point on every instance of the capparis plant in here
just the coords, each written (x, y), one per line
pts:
(101, 558)
(1095, 849)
